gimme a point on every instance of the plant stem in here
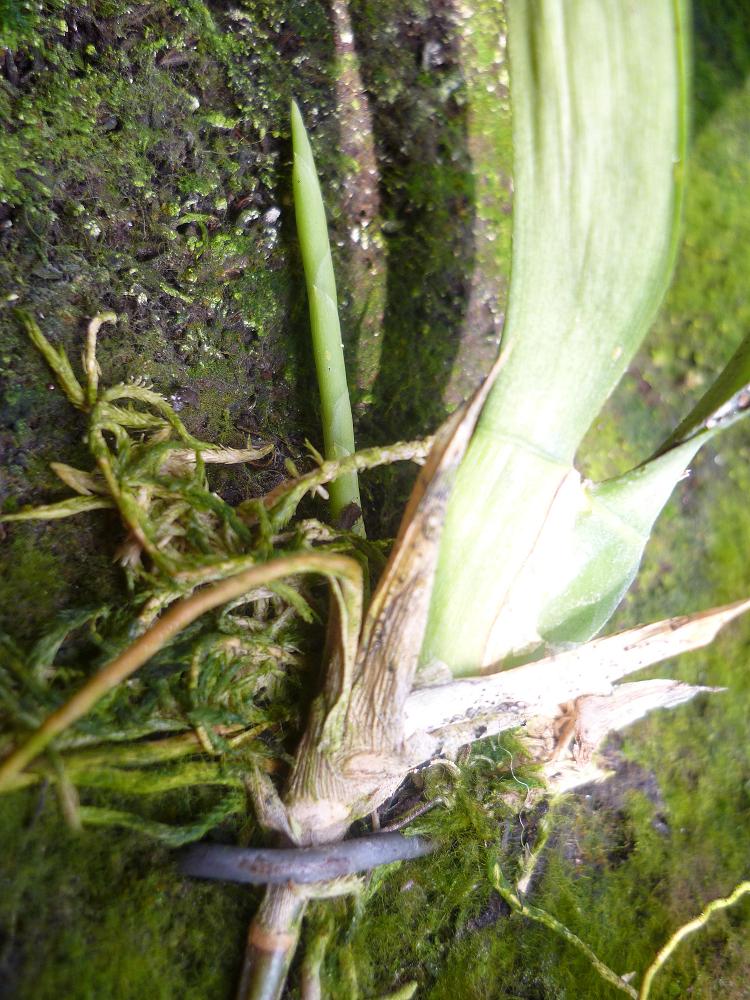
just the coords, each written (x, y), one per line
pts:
(542, 917)
(271, 943)
(310, 986)
(689, 928)
(542, 836)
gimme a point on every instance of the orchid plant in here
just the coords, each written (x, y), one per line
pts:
(507, 565)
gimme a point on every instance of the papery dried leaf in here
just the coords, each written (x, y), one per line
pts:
(598, 715)
(487, 705)
(570, 764)
(394, 627)
(351, 753)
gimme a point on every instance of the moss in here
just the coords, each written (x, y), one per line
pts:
(444, 899)
(182, 172)
(419, 120)
(123, 187)
(49, 569)
(722, 57)
(116, 919)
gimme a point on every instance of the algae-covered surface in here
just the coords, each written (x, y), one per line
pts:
(145, 169)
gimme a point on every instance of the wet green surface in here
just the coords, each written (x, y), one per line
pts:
(167, 199)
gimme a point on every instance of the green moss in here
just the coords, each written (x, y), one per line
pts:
(423, 101)
(119, 180)
(419, 118)
(50, 568)
(188, 258)
(31, 578)
(444, 899)
(121, 186)
(105, 914)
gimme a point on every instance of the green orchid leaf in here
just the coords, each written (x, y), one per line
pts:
(592, 543)
(609, 539)
(724, 402)
(599, 99)
(312, 230)
(597, 182)
(606, 546)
